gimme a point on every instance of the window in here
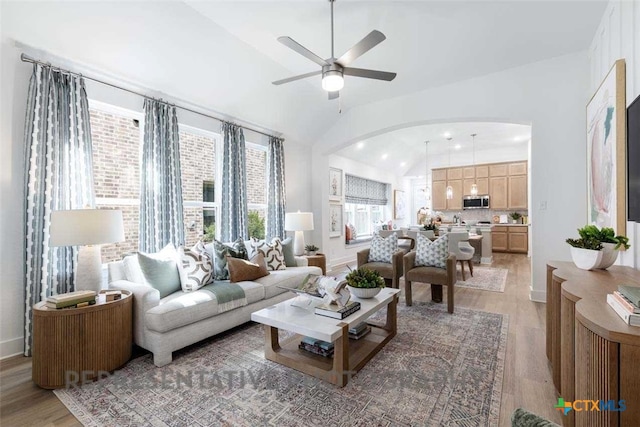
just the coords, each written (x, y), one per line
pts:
(198, 167)
(365, 204)
(115, 135)
(257, 189)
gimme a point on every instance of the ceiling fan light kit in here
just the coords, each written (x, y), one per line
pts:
(334, 70)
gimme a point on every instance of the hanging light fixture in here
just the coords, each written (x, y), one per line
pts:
(427, 190)
(474, 186)
(449, 188)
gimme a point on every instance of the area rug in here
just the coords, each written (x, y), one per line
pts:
(440, 369)
(484, 278)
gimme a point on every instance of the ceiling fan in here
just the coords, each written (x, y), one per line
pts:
(333, 70)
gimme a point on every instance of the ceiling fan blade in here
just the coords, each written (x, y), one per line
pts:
(369, 74)
(292, 44)
(370, 41)
(298, 77)
(334, 95)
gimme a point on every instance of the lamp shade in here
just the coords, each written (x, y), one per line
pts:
(298, 221)
(80, 227)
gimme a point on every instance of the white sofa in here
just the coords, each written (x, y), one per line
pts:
(184, 318)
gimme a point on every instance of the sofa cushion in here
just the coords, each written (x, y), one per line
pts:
(162, 274)
(433, 275)
(220, 252)
(183, 308)
(289, 278)
(241, 270)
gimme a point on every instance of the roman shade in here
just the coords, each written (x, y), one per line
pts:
(364, 191)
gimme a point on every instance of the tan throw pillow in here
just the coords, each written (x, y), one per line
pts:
(241, 270)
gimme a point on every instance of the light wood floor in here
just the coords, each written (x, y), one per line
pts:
(527, 378)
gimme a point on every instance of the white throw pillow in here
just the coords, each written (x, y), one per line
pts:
(383, 248)
(195, 267)
(273, 253)
(432, 254)
(132, 270)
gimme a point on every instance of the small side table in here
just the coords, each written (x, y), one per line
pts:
(79, 344)
(318, 260)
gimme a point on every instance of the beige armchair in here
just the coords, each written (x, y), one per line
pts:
(390, 272)
(436, 277)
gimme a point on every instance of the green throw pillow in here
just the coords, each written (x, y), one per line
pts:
(287, 249)
(162, 274)
(236, 249)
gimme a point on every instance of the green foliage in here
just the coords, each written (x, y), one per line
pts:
(588, 243)
(604, 235)
(515, 216)
(365, 278)
(256, 225)
(209, 233)
(430, 227)
(311, 248)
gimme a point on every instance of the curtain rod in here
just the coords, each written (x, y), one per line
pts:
(25, 58)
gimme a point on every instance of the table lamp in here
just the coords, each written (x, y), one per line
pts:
(298, 222)
(88, 229)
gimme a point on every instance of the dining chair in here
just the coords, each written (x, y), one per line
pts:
(463, 251)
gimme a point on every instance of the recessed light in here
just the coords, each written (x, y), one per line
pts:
(403, 164)
(457, 146)
(384, 156)
(447, 134)
(360, 145)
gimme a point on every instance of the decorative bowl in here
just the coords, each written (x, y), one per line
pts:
(470, 222)
(586, 259)
(363, 292)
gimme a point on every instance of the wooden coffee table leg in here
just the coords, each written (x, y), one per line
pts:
(271, 342)
(341, 358)
(392, 316)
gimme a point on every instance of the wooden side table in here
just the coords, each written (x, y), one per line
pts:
(318, 260)
(79, 344)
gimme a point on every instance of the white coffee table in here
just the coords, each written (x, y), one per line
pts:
(349, 355)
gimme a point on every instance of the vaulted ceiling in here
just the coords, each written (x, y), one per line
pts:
(223, 55)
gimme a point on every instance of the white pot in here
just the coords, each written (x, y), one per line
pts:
(364, 292)
(586, 259)
(311, 253)
(609, 256)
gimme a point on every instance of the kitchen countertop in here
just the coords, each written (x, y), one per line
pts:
(512, 225)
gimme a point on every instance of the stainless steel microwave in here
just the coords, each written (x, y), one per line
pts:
(475, 202)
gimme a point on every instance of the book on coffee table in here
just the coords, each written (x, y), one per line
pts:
(337, 312)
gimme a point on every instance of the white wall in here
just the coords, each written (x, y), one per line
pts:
(335, 249)
(14, 84)
(618, 36)
(550, 95)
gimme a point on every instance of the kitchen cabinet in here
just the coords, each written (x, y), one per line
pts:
(482, 171)
(469, 172)
(456, 202)
(439, 175)
(512, 238)
(454, 174)
(518, 192)
(519, 168)
(482, 183)
(500, 169)
(498, 192)
(438, 195)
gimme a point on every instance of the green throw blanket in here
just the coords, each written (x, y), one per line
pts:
(229, 295)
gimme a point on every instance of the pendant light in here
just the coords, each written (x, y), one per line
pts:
(474, 186)
(449, 188)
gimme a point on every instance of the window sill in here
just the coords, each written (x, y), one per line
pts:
(359, 241)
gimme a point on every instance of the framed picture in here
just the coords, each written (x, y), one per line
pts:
(606, 152)
(399, 204)
(335, 184)
(336, 224)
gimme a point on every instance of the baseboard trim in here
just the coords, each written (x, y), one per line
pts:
(537, 296)
(10, 348)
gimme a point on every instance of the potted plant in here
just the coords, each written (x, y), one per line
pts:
(515, 217)
(596, 248)
(364, 283)
(311, 249)
(431, 227)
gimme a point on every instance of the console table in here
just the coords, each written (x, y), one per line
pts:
(594, 355)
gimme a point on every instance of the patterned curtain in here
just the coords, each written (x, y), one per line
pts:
(161, 215)
(276, 195)
(235, 215)
(364, 191)
(58, 158)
